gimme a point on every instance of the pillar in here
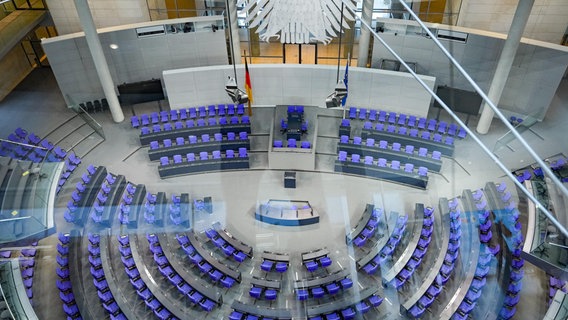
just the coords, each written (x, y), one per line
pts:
(365, 38)
(234, 29)
(99, 59)
(505, 62)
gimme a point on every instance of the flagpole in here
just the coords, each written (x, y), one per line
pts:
(348, 63)
(249, 109)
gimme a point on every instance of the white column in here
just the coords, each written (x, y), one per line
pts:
(232, 11)
(505, 62)
(99, 59)
(365, 38)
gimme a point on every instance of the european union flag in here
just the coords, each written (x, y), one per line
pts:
(345, 79)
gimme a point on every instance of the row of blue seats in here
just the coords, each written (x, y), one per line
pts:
(169, 273)
(330, 288)
(227, 248)
(409, 149)
(425, 135)
(192, 139)
(258, 292)
(292, 143)
(203, 155)
(125, 203)
(99, 280)
(485, 223)
(27, 263)
(71, 163)
(555, 165)
(184, 114)
(422, 247)
(30, 147)
(63, 282)
(203, 265)
(349, 313)
(479, 281)
(102, 197)
(137, 282)
(370, 228)
(179, 125)
(77, 194)
(411, 121)
(372, 266)
(382, 162)
(447, 267)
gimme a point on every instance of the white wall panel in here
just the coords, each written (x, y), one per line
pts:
(136, 59)
(534, 78)
(299, 84)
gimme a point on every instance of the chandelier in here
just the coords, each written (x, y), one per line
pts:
(299, 21)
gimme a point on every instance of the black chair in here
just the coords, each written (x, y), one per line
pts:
(90, 107)
(98, 106)
(105, 104)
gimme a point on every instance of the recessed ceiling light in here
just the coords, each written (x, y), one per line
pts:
(113, 46)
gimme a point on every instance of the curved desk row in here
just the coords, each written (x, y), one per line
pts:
(321, 281)
(367, 215)
(110, 277)
(470, 265)
(382, 173)
(168, 247)
(15, 292)
(156, 154)
(379, 245)
(390, 155)
(391, 137)
(76, 274)
(145, 139)
(435, 269)
(415, 228)
(200, 166)
(207, 256)
(150, 281)
(240, 246)
(114, 197)
(136, 206)
(89, 195)
(260, 311)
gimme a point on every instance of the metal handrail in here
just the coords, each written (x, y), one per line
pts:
(462, 124)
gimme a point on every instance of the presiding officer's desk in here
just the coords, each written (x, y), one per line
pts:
(207, 256)
(261, 311)
(294, 130)
(367, 214)
(145, 139)
(199, 166)
(383, 173)
(224, 145)
(417, 142)
(376, 152)
(168, 246)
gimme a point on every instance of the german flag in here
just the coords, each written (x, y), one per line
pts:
(248, 86)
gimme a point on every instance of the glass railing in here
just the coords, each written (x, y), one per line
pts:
(18, 305)
(30, 174)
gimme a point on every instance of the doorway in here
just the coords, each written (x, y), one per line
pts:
(305, 53)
